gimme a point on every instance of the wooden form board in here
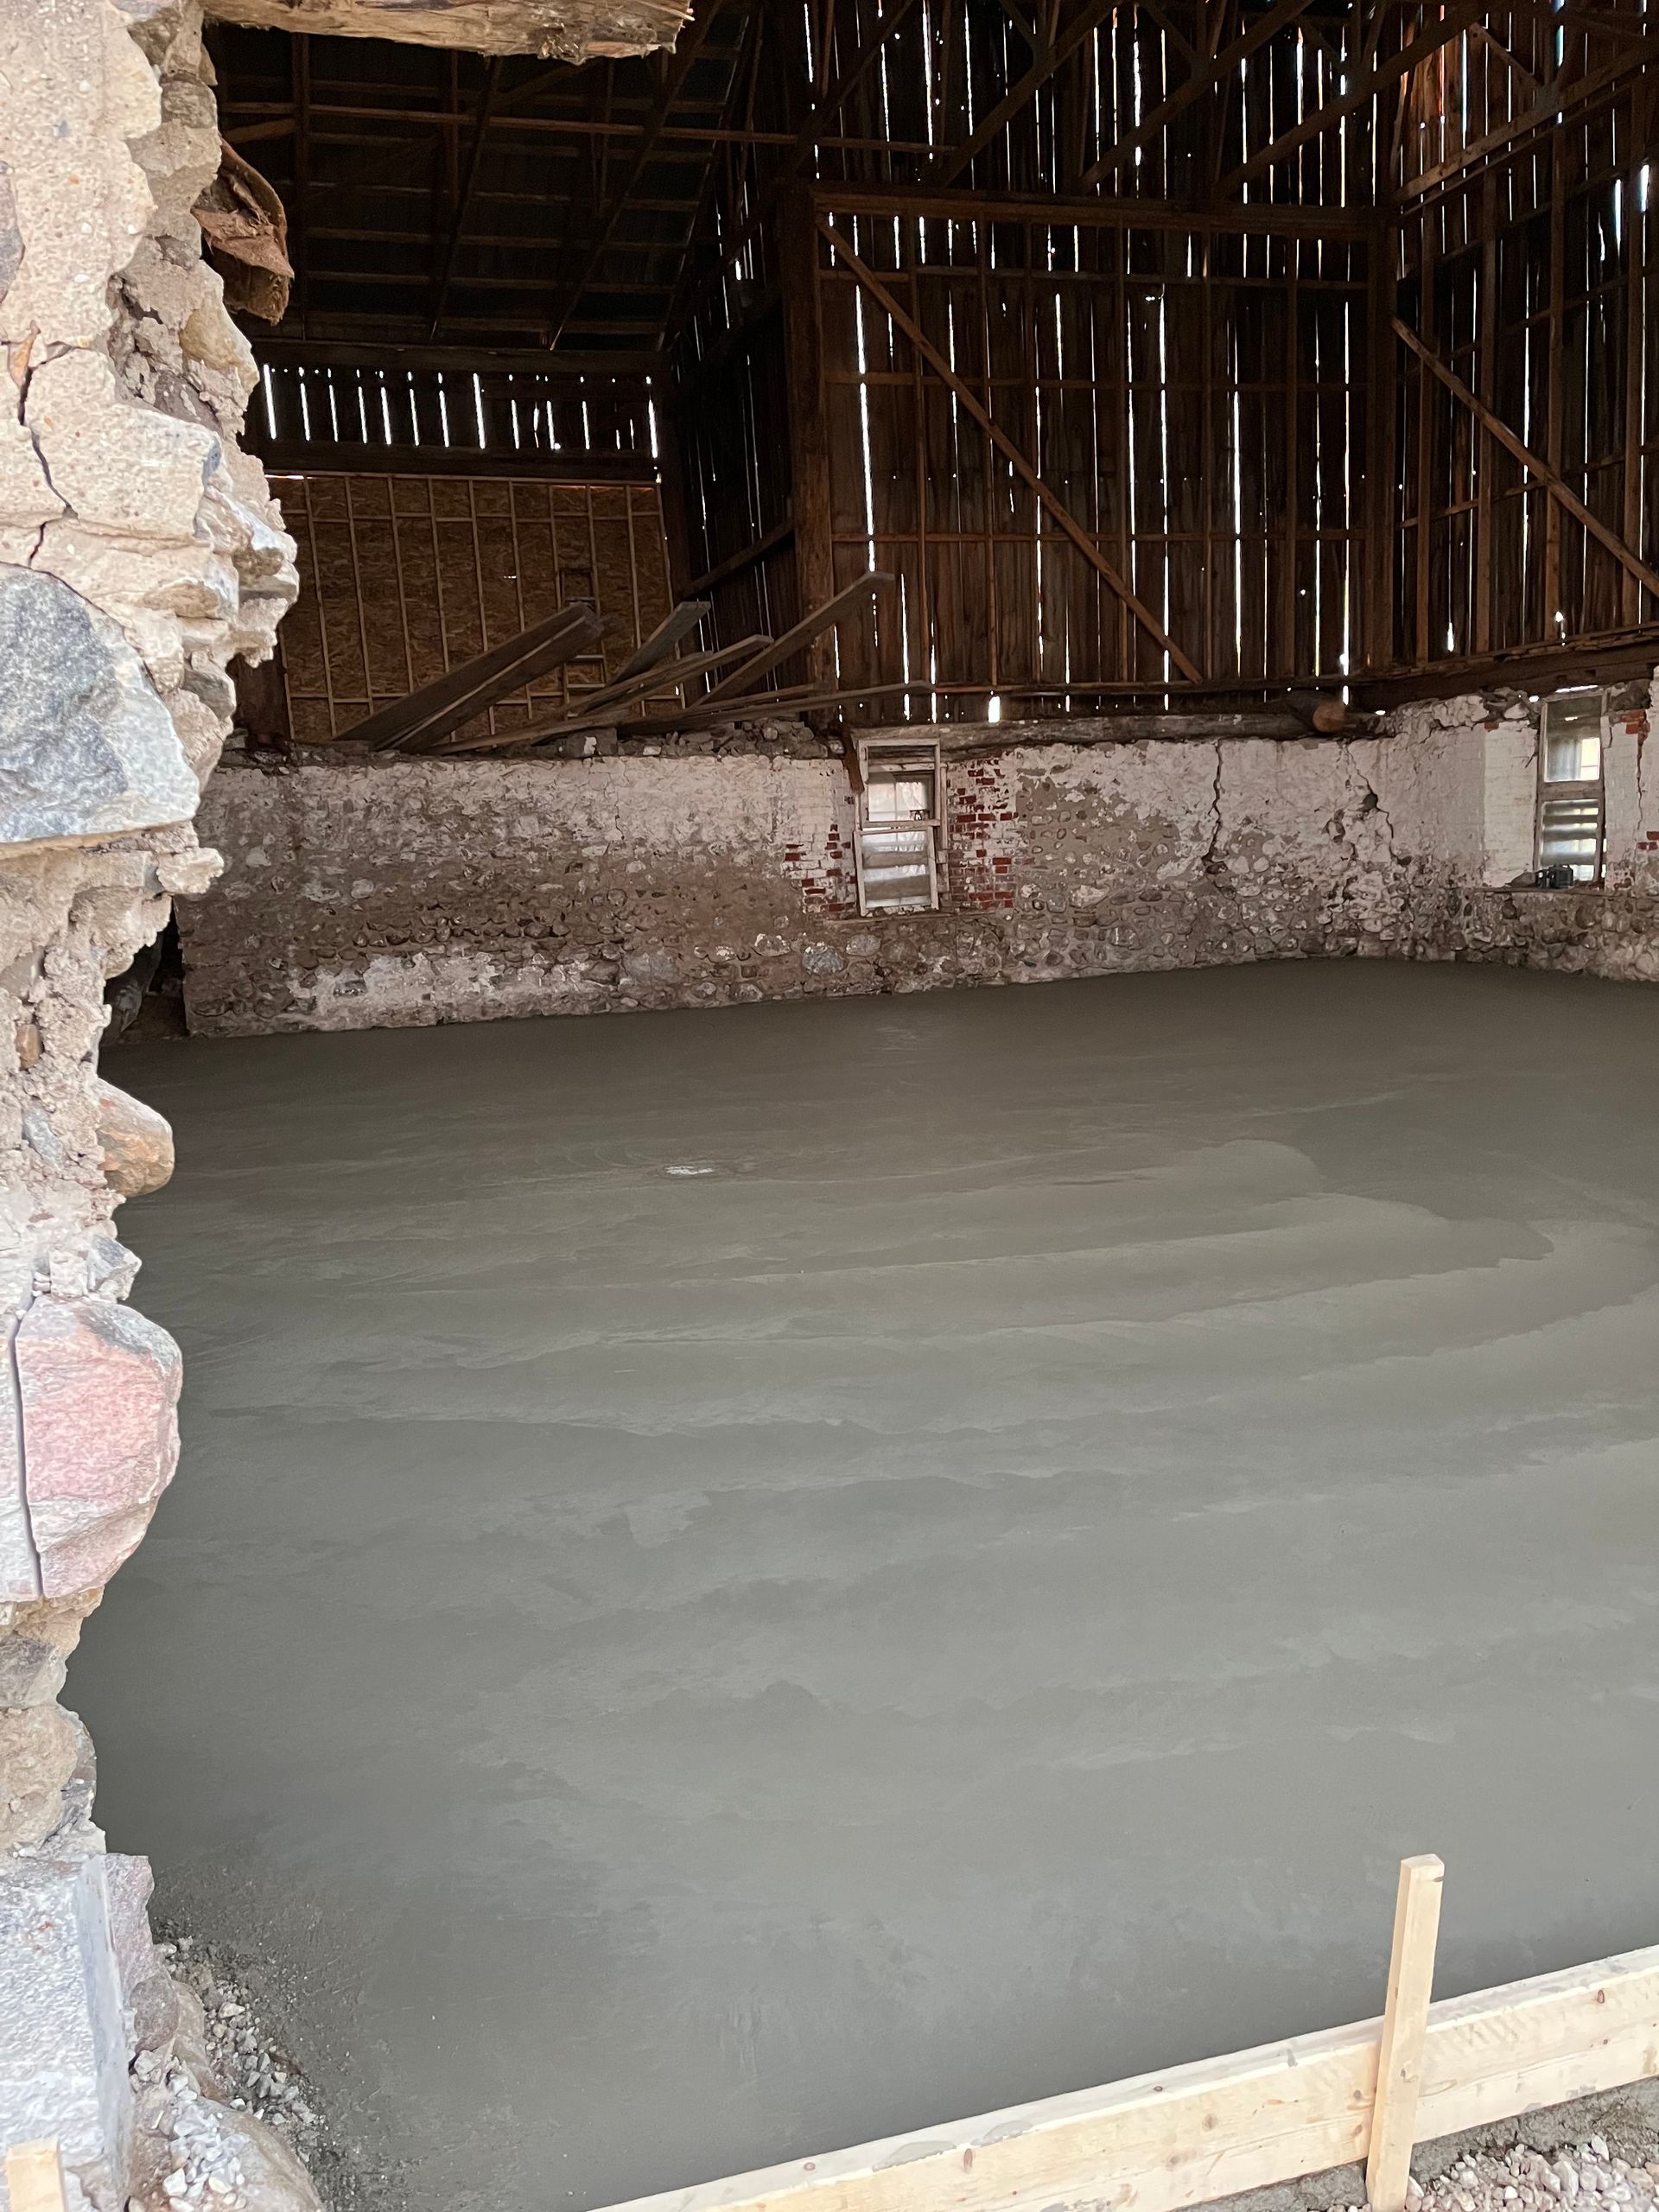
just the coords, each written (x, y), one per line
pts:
(404, 578)
(34, 2176)
(1162, 2142)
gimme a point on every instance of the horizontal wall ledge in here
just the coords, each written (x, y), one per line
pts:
(283, 457)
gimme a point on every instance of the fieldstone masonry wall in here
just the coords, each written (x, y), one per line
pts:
(139, 551)
(368, 892)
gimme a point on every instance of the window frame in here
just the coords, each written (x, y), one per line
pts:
(885, 757)
(1579, 788)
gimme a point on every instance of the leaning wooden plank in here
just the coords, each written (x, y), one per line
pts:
(34, 2176)
(779, 649)
(671, 676)
(765, 706)
(679, 622)
(579, 636)
(599, 710)
(1405, 2024)
(449, 700)
(1162, 2142)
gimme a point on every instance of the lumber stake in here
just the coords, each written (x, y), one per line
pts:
(34, 2176)
(1405, 2022)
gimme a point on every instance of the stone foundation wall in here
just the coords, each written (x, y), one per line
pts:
(377, 892)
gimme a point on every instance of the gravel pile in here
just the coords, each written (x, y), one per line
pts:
(254, 2071)
(1521, 2180)
(207, 2166)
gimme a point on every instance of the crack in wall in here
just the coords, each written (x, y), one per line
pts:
(1208, 862)
(15, 1388)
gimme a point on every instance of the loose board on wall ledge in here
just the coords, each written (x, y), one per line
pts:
(404, 577)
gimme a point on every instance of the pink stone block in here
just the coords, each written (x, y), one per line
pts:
(98, 1387)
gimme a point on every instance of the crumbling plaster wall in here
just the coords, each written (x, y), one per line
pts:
(139, 552)
(365, 891)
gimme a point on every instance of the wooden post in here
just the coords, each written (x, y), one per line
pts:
(34, 2176)
(1405, 2020)
(808, 430)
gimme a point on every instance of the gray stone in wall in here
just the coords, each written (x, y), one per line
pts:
(63, 2056)
(86, 748)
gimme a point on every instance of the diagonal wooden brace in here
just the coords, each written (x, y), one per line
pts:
(1539, 467)
(971, 406)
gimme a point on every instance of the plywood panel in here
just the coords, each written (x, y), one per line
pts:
(403, 578)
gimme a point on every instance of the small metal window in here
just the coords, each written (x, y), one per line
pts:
(897, 855)
(1572, 797)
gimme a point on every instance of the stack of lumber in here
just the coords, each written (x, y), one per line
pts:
(650, 696)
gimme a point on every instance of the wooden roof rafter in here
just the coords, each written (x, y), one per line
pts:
(676, 72)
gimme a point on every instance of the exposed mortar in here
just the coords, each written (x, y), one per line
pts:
(365, 891)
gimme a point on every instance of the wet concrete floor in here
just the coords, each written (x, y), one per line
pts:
(741, 1581)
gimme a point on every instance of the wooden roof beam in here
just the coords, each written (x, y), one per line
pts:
(1054, 57)
(1202, 81)
(464, 197)
(347, 353)
(1458, 18)
(1097, 212)
(686, 55)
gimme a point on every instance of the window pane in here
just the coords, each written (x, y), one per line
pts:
(1572, 756)
(1572, 738)
(1569, 833)
(899, 798)
(896, 871)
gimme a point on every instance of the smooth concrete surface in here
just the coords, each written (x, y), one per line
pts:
(970, 1596)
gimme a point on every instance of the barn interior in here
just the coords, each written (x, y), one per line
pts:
(842, 1545)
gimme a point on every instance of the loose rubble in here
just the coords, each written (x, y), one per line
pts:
(239, 2125)
(1522, 2180)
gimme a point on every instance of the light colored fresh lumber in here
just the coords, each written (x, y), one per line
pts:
(1405, 2024)
(1164, 2141)
(34, 2176)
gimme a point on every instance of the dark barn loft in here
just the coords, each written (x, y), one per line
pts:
(1151, 350)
